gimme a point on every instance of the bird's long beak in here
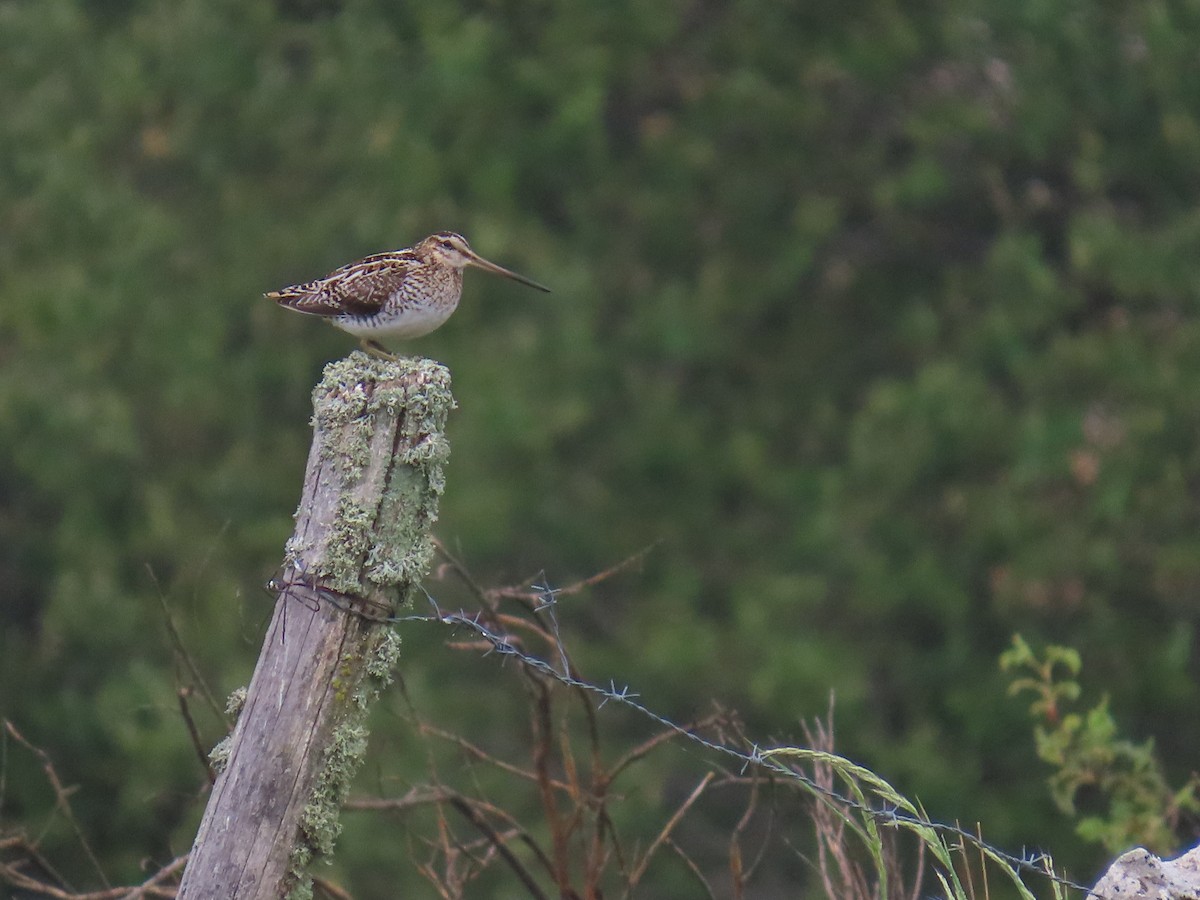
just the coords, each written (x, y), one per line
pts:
(480, 263)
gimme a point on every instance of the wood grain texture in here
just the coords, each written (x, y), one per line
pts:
(362, 540)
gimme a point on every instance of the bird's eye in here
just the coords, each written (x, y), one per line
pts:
(446, 245)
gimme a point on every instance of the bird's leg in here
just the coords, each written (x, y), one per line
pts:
(377, 349)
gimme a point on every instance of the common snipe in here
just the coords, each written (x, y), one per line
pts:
(398, 295)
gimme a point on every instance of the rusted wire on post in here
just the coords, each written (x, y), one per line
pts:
(362, 539)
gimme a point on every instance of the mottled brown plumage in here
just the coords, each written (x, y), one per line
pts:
(397, 295)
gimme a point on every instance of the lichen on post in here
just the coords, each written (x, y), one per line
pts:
(361, 546)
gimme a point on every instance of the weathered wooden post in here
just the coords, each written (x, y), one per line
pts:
(361, 547)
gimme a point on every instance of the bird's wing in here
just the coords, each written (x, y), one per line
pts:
(357, 289)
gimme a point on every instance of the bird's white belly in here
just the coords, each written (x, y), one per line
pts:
(410, 323)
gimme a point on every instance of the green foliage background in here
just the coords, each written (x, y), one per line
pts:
(879, 317)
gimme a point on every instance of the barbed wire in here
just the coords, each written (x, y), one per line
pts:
(1034, 861)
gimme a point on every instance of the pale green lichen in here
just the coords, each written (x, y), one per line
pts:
(301, 885)
(387, 548)
(236, 702)
(379, 668)
(218, 756)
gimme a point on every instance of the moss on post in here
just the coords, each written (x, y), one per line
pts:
(377, 548)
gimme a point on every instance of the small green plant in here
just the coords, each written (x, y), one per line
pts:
(1140, 807)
